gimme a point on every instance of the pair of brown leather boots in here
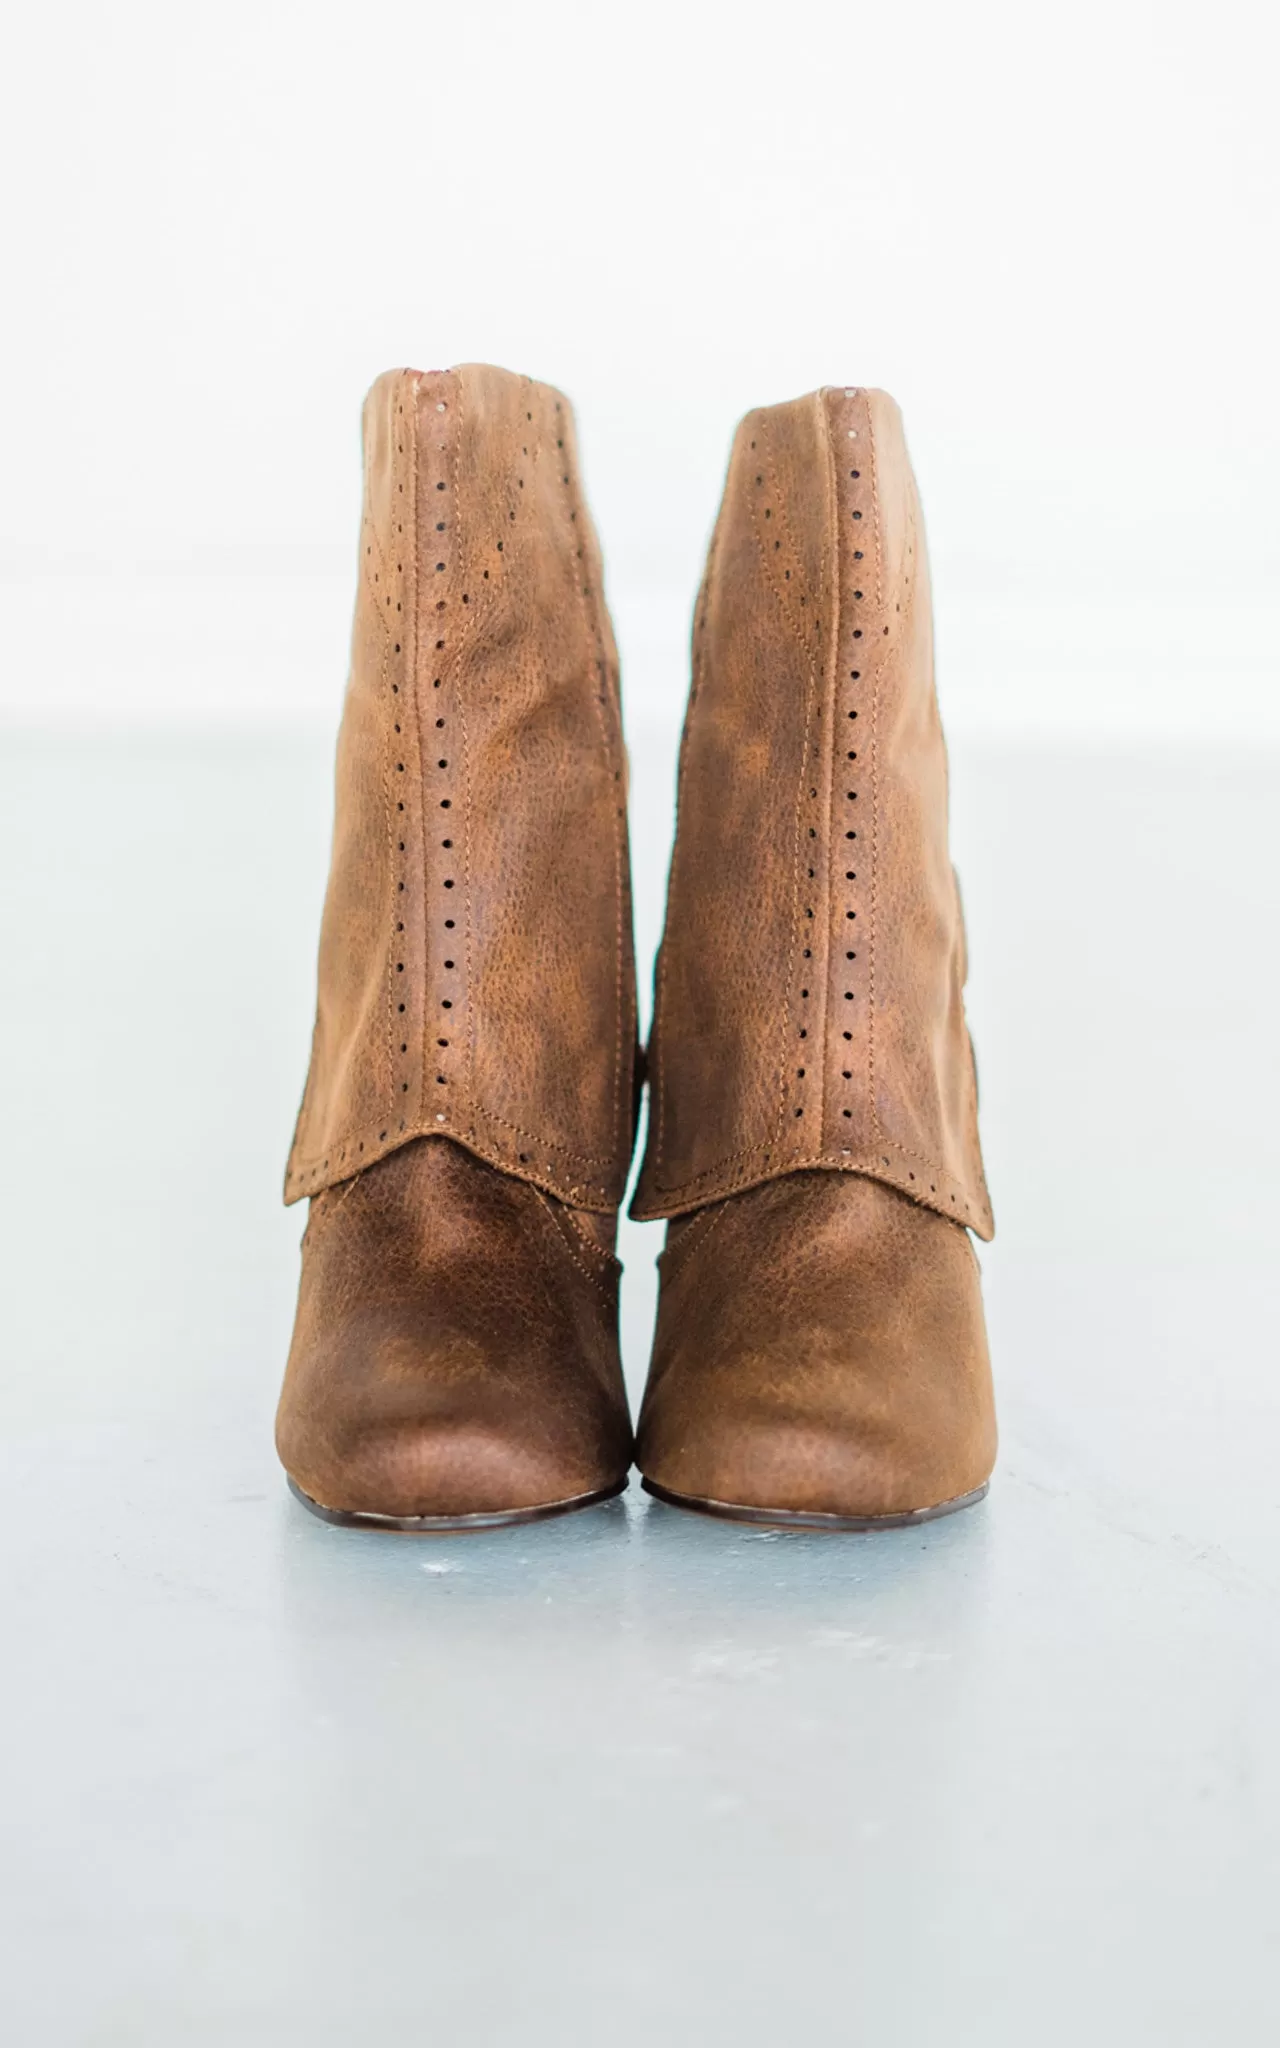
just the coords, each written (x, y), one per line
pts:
(468, 1121)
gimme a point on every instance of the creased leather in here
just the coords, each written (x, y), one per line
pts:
(476, 976)
(809, 996)
(455, 1350)
(820, 1348)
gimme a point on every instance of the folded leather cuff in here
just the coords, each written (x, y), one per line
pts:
(809, 1002)
(476, 977)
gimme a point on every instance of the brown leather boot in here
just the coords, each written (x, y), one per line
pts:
(468, 1118)
(820, 1353)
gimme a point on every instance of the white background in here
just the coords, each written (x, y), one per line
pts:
(1050, 232)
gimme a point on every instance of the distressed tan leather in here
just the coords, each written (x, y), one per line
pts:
(456, 1345)
(467, 1124)
(476, 976)
(820, 1349)
(809, 1007)
(813, 1122)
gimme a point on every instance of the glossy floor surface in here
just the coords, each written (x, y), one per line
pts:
(635, 1775)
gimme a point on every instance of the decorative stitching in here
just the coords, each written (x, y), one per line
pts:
(766, 556)
(874, 750)
(468, 630)
(458, 699)
(809, 654)
(785, 1039)
(591, 622)
(330, 1209)
(881, 1137)
(460, 633)
(609, 1261)
(876, 522)
(673, 1261)
(386, 722)
(403, 469)
(547, 1145)
(832, 602)
(952, 1185)
(409, 676)
(871, 1168)
(475, 1113)
(417, 1128)
(592, 1279)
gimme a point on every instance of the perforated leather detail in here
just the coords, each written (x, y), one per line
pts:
(809, 1008)
(476, 971)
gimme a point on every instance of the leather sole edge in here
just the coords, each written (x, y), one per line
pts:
(807, 1518)
(449, 1525)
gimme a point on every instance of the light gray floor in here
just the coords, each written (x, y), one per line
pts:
(1008, 1779)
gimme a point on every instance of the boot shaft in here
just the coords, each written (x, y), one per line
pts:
(809, 995)
(476, 976)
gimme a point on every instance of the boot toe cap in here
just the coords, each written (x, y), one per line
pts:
(440, 1471)
(450, 1357)
(827, 1358)
(823, 1467)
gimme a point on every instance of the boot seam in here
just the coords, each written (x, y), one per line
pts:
(551, 1224)
(568, 1217)
(673, 1263)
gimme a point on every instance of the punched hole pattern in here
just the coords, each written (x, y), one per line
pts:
(856, 497)
(460, 551)
(425, 673)
(439, 871)
(443, 874)
(805, 609)
(865, 627)
(386, 590)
